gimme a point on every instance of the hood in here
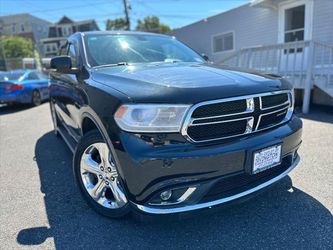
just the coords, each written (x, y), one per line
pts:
(183, 82)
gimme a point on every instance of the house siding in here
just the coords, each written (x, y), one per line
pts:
(252, 26)
(257, 26)
(323, 21)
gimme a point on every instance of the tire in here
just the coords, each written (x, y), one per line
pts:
(97, 177)
(36, 98)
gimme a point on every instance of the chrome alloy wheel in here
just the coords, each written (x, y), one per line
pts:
(100, 178)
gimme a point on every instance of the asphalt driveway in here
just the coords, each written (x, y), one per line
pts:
(40, 206)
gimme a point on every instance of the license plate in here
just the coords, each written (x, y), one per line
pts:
(266, 158)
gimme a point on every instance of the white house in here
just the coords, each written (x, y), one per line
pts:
(293, 38)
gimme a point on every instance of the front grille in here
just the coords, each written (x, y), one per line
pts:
(221, 119)
(275, 100)
(218, 109)
(237, 183)
(271, 119)
(218, 130)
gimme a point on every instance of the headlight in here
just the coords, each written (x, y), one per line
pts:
(150, 117)
(293, 98)
(292, 104)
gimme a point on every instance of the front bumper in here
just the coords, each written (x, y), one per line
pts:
(148, 169)
(165, 210)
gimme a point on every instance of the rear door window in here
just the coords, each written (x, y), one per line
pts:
(33, 76)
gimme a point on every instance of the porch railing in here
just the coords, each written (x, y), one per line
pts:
(304, 63)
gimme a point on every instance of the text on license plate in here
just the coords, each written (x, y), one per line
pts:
(266, 158)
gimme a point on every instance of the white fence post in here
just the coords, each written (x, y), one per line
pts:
(308, 80)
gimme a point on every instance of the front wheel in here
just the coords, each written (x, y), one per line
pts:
(36, 98)
(96, 174)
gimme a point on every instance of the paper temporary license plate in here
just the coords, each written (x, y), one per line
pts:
(266, 158)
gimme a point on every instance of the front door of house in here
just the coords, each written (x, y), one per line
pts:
(295, 27)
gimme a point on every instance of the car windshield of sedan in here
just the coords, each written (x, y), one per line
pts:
(122, 49)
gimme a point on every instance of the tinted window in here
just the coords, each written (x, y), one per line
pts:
(63, 50)
(113, 49)
(33, 76)
(72, 54)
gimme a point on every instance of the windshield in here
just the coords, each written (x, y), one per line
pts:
(11, 76)
(118, 49)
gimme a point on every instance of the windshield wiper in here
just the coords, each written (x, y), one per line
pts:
(112, 65)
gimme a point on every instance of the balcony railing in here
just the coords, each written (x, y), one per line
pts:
(304, 63)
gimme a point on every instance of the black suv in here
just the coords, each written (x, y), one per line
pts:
(155, 127)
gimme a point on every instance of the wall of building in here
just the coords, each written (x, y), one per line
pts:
(23, 24)
(323, 21)
(252, 27)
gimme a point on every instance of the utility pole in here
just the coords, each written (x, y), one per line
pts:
(127, 7)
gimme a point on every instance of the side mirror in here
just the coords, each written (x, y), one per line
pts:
(204, 56)
(63, 64)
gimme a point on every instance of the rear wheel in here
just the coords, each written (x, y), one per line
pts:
(36, 98)
(97, 176)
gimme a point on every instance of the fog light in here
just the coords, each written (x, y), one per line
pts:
(166, 195)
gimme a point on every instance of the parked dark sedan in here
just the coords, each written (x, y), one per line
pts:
(23, 86)
(155, 127)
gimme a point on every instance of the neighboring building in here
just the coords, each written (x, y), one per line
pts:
(27, 26)
(59, 31)
(288, 37)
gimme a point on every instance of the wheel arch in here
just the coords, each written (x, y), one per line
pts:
(90, 120)
(87, 125)
(93, 118)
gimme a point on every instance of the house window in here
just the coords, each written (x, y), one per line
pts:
(66, 30)
(54, 47)
(22, 27)
(294, 24)
(51, 47)
(223, 42)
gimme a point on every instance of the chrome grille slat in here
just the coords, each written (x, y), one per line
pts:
(225, 121)
(254, 114)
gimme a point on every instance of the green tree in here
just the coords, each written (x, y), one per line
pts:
(152, 24)
(116, 24)
(15, 47)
